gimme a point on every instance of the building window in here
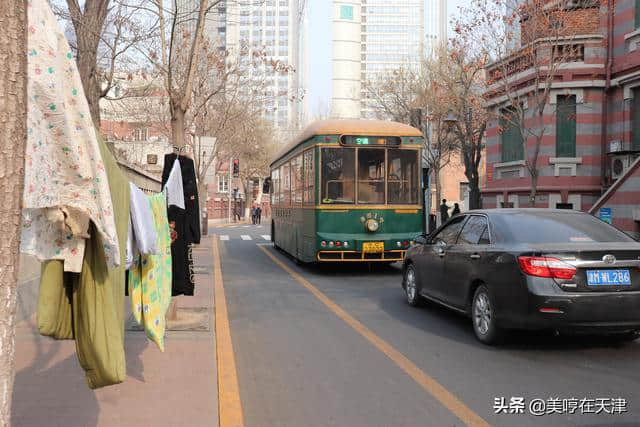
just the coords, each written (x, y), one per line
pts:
(512, 141)
(223, 184)
(140, 134)
(635, 120)
(346, 12)
(566, 126)
(152, 159)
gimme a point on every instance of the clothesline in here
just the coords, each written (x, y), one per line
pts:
(85, 220)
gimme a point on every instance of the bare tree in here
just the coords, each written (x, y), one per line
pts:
(107, 35)
(400, 94)
(529, 44)
(459, 73)
(13, 130)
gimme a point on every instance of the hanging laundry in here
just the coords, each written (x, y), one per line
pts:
(184, 223)
(150, 278)
(173, 187)
(144, 229)
(65, 181)
(88, 307)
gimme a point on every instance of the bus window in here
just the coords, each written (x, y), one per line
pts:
(309, 177)
(338, 175)
(371, 175)
(296, 180)
(285, 188)
(403, 184)
(275, 190)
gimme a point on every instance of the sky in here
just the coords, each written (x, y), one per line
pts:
(319, 45)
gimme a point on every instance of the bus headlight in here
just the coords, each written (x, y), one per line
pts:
(372, 225)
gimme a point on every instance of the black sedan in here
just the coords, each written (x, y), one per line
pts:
(529, 269)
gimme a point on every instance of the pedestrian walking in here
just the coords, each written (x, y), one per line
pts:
(456, 209)
(253, 215)
(444, 211)
(259, 214)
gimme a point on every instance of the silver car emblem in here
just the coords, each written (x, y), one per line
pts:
(609, 259)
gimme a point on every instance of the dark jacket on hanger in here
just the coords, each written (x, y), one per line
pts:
(191, 202)
(185, 226)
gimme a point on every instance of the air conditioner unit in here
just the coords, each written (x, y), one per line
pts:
(619, 165)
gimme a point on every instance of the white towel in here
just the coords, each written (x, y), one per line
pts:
(173, 187)
(144, 229)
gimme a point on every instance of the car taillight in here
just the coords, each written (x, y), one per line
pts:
(546, 267)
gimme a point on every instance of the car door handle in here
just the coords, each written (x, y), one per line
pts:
(474, 256)
(441, 252)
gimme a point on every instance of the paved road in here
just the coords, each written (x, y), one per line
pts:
(301, 364)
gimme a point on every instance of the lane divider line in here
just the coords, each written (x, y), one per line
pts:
(245, 237)
(229, 405)
(433, 387)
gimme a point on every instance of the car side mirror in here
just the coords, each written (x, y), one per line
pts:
(421, 239)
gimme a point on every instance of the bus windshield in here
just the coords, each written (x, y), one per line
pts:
(383, 176)
(338, 175)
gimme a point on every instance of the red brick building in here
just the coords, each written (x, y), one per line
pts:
(592, 118)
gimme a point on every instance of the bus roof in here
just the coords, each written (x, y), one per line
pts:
(349, 127)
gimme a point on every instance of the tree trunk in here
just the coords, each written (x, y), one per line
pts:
(87, 68)
(534, 189)
(88, 25)
(247, 198)
(177, 125)
(474, 193)
(13, 131)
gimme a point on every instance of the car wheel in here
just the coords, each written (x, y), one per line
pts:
(483, 317)
(412, 287)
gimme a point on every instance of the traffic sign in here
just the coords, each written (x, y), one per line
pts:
(606, 215)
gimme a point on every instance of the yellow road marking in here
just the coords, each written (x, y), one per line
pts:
(229, 405)
(446, 398)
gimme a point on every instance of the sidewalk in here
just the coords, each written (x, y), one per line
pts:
(175, 388)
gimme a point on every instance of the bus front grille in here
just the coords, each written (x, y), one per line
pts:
(354, 256)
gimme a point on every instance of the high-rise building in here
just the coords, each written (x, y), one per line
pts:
(275, 27)
(271, 26)
(372, 37)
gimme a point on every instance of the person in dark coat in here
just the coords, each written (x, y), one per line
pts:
(456, 209)
(184, 224)
(258, 214)
(444, 211)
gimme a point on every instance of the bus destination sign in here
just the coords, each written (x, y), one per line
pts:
(369, 140)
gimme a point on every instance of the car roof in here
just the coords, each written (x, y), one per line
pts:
(528, 211)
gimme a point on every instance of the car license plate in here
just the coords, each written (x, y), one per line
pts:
(608, 278)
(373, 247)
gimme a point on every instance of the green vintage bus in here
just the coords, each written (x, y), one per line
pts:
(348, 191)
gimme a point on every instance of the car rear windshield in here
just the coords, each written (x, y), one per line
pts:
(557, 228)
